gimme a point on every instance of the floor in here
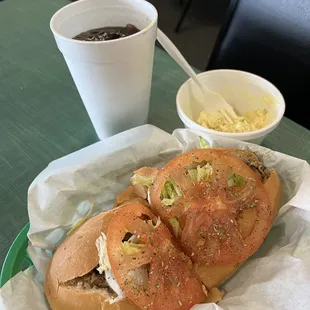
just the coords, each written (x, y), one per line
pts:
(198, 33)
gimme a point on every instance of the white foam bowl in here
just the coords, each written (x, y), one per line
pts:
(244, 91)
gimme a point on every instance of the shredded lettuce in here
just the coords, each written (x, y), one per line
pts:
(201, 173)
(101, 244)
(234, 179)
(150, 222)
(129, 248)
(170, 193)
(168, 202)
(203, 143)
(143, 180)
(82, 221)
(187, 205)
(205, 172)
(193, 174)
(105, 267)
(109, 276)
(176, 229)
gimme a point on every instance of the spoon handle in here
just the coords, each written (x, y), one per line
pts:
(172, 50)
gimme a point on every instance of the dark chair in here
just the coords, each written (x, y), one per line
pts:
(184, 13)
(270, 38)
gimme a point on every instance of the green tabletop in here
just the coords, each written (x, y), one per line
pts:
(42, 116)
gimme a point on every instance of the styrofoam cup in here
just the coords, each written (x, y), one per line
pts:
(113, 77)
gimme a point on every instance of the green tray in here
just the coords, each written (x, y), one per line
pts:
(17, 258)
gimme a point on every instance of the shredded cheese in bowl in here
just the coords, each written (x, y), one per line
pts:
(250, 121)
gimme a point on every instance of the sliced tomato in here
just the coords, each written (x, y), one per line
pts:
(209, 211)
(171, 281)
(177, 170)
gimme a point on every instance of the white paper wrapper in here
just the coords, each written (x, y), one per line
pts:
(276, 277)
